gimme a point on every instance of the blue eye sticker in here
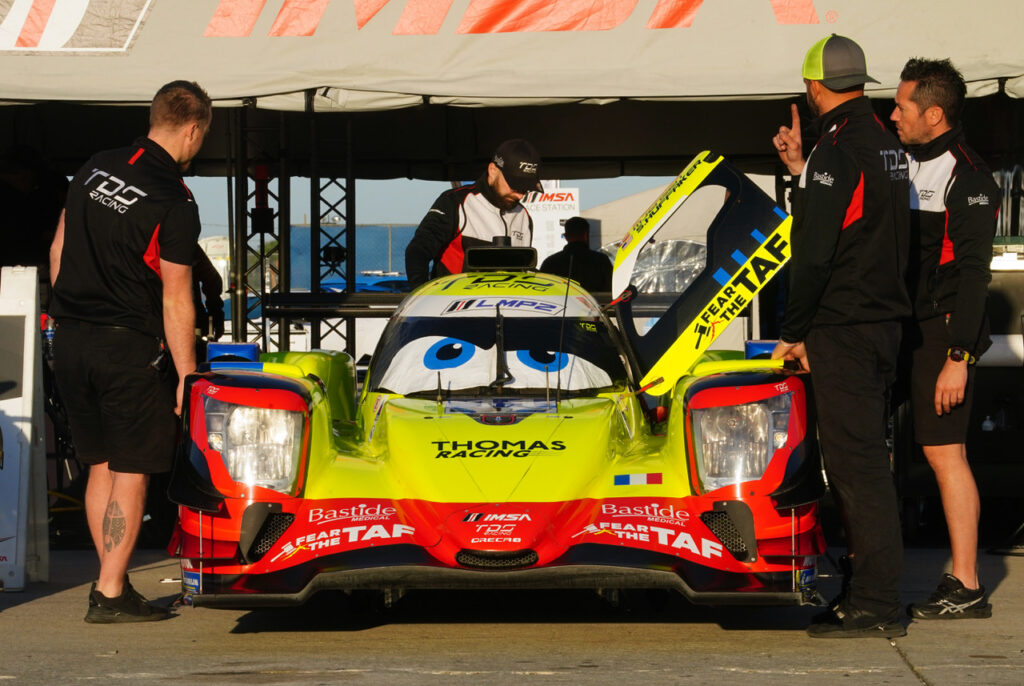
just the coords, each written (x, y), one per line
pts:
(542, 360)
(448, 353)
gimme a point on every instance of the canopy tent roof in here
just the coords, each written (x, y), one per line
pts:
(383, 54)
(433, 85)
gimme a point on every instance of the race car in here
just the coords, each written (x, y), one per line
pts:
(508, 434)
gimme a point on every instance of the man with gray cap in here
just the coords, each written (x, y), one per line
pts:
(474, 214)
(847, 298)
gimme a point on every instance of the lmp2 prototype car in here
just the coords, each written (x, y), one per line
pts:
(509, 435)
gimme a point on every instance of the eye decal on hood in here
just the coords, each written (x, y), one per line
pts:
(542, 360)
(460, 364)
(448, 353)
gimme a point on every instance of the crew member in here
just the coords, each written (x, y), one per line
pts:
(474, 214)
(121, 266)
(590, 268)
(846, 299)
(953, 206)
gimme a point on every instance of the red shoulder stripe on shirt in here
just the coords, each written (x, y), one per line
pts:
(187, 189)
(855, 210)
(967, 157)
(835, 134)
(136, 156)
(152, 254)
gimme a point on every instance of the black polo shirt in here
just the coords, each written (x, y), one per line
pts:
(851, 226)
(126, 210)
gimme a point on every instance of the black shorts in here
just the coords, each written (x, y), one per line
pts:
(120, 406)
(929, 355)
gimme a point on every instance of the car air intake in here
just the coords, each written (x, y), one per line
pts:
(496, 559)
(273, 528)
(721, 525)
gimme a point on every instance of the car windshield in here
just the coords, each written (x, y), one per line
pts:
(417, 352)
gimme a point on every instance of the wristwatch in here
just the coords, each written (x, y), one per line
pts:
(958, 354)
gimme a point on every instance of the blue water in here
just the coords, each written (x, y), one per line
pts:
(372, 250)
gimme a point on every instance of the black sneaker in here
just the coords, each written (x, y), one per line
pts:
(952, 601)
(845, 622)
(130, 606)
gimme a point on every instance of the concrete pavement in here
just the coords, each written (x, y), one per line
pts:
(497, 638)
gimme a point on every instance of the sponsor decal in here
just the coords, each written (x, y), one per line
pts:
(497, 517)
(896, 163)
(807, 577)
(506, 304)
(495, 529)
(640, 227)
(357, 513)
(451, 449)
(638, 479)
(654, 512)
(190, 581)
(980, 199)
(211, 390)
(926, 194)
(739, 288)
(660, 535)
(333, 538)
(824, 178)
(535, 197)
(112, 192)
(523, 282)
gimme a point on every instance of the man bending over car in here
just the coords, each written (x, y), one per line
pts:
(474, 214)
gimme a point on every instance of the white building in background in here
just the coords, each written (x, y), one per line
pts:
(218, 249)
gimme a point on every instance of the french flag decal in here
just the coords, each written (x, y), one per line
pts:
(637, 479)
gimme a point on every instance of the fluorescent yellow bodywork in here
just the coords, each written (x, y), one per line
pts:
(661, 209)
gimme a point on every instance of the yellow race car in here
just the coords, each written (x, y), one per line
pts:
(509, 435)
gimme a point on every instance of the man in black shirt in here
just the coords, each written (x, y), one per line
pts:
(589, 268)
(121, 268)
(847, 297)
(953, 206)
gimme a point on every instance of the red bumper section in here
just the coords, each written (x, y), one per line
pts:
(714, 551)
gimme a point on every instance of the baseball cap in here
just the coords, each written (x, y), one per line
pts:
(838, 62)
(519, 162)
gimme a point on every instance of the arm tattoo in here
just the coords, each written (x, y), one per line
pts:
(114, 526)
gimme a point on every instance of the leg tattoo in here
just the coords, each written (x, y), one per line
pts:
(114, 526)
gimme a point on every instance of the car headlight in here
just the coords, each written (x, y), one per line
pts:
(735, 442)
(259, 446)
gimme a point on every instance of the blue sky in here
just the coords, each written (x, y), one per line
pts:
(397, 201)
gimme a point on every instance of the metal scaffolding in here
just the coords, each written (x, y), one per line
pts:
(260, 230)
